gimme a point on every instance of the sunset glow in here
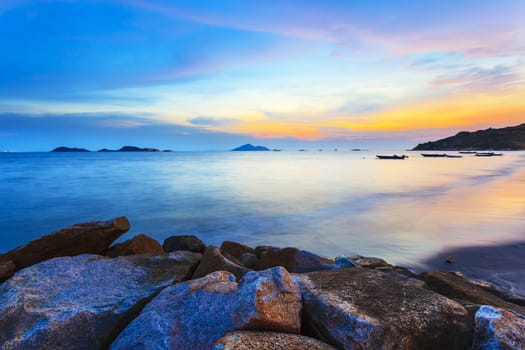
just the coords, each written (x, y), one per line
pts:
(221, 72)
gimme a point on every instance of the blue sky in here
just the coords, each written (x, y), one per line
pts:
(201, 75)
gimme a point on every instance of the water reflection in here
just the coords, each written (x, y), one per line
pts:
(328, 202)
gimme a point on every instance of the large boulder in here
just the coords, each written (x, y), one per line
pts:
(246, 340)
(294, 260)
(498, 328)
(367, 309)
(80, 302)
(7, 269)
(236, 249)
(214, 260)
(140, 244)
(184, 242)
(195, 314)
(86, 238)
(466, 292)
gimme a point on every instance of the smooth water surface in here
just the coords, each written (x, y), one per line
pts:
(331, 203)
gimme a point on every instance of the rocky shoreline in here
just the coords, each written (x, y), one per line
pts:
(73, 289)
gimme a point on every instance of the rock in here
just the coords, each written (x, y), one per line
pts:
(7, 269)
(184, 242)
(80, 302)
(236, 249)
(261, 249)
(250, 261)
(294, 260)
(466, 292)
(369, 262)
(498, 328)
(195, 314)
(245, 340)
(139, 244)
(213, 260)
(87, 238)
(367, 309)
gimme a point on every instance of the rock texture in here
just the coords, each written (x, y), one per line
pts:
(80, 302)
(367, 309)
(244, 340)
(140, 244)
(86, 238)
(184, 242)
(195, 314)
(459, 288)
(498, 328)
(236, 249)
(293, 259)
(213, 260)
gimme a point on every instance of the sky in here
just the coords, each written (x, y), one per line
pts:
(210, 75)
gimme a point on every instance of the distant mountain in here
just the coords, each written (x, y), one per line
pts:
(130, 149)
(509, 138)
(250, 147)
(69, 149)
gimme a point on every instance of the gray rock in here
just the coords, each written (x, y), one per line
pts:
(244, 340)
(367, 309)
(497, 328)
(184, 242)
(80, 302)
(213, 260)
(195, 314)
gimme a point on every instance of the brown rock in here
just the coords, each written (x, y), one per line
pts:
(497, 328)
(236, 249)
(195, 314)
(139, 244)
(370, 262)
(87, 238)
(461, 289)
(293, 259)
(250, 261)
(213, 260)
(367, 309)
(244, 340)
(184, 242)
(7, 269)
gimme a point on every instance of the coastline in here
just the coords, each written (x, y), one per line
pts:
(139, 293)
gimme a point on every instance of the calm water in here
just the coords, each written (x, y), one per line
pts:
(331, 203)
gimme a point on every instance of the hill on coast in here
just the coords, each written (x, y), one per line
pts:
(250, 147)
(509, 138)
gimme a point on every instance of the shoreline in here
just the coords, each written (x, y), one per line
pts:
(141, 294)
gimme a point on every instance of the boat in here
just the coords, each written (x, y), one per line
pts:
(395, 156)
(453, 156)
(467, 152)
(434, 155)
(488, 154)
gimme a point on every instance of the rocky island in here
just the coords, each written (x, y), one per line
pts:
(76, 289)
(250, 147)
(122, 149)
(509, 138)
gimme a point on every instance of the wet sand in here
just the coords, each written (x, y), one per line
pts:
(502, 265)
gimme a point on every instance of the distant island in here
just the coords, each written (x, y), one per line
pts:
(250, 147)
(70, 149)
(122, 149)
(509, 138)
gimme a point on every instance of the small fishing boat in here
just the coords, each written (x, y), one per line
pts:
(488, 154)
(395, 156)
(434, 155)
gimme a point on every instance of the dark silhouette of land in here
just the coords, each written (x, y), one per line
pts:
(250, 147)
(122, 149)
(509, 138)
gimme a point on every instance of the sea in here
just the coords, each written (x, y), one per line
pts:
(331, 203)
